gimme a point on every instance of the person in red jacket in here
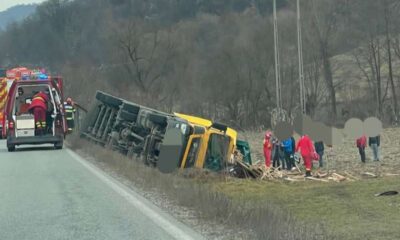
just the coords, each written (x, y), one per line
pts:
(38, 107)
(306, 148)
(267, 148)
(361, 143)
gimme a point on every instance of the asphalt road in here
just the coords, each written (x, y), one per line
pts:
(55, 194)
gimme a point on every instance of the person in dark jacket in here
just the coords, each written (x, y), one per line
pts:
(374, 143)
(361, 143)
(319, 148)
(276, 153)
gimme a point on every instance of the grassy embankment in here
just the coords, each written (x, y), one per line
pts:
(346, 210)
(272, 210)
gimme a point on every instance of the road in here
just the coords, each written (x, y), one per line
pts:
(55, 194)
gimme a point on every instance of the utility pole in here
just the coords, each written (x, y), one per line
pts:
(277, 63)
(301, 68)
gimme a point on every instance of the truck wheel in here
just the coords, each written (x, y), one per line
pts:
(158, 119)
(127, 116)
(112, 101)
(58, 145)
(131, 108)
(11, 148)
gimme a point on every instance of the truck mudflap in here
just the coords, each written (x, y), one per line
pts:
(34, 140)
(171, 151)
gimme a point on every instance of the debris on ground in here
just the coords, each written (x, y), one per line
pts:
(387, 193)
(368, 174)
(261, 172)
(342, 159)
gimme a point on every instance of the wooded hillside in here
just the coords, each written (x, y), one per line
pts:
(215, 58)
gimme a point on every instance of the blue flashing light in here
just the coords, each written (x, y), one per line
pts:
(43, 77)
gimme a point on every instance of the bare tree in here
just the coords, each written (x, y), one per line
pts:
(148, 54)
(315, 89)
(389, 55)
(323, 21)
(370, 57)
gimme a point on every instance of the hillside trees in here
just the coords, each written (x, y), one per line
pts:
(323, 21)
(209, 57)
(375, 24)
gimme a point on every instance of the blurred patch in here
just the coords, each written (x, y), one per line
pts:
(372, 127)
(283, 130)
(354, 128)
(318, 131)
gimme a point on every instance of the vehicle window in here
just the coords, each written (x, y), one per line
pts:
(217, 150)
(24, 97)
(193, 152)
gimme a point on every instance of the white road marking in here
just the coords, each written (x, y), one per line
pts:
(158, 219)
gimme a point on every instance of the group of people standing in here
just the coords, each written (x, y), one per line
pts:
(282, 153)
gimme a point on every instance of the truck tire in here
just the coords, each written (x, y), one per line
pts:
(100, 96)
(129, 107)
(128, 116)
(108, 99)
(158, 119)
(112, 101)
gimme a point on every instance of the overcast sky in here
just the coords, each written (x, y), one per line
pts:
(4, 4)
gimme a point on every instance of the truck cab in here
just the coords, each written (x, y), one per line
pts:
(210, 146)
(19, 122)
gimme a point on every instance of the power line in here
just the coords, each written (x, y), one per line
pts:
(277, 62)
(301, 67)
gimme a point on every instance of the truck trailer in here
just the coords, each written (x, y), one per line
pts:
(164, 140)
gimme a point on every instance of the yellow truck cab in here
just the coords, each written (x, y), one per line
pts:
(210, 147)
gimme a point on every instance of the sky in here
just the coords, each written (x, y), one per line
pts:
(4, 4)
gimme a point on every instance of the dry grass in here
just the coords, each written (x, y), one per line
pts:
(347, 210)
(198, 191)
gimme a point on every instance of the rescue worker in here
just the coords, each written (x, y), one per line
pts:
(268, 148)
(306, 148)
(70, 114)
(361, 143)
(38, 108)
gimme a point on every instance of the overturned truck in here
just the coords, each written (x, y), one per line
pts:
(163, 140)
